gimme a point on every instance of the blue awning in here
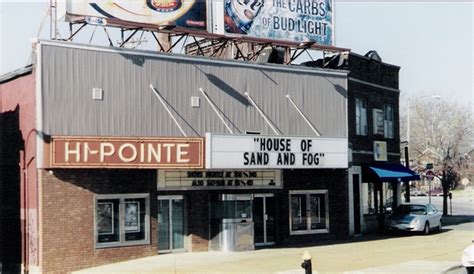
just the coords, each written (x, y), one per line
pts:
(390, 173)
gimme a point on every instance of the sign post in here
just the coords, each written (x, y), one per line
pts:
(429, 175)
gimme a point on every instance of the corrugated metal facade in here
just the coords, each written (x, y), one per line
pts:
(129, 107)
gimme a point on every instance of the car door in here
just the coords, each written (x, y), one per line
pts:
(434, 216)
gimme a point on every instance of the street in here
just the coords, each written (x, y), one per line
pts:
(435, 253)
(461, 205)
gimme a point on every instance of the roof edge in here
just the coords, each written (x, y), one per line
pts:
(12, 75)
(370, 59)
(293, 68)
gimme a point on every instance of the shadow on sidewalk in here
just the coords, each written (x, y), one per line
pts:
(457, 219)
(379, 236)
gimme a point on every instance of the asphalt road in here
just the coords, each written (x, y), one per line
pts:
(463, 205)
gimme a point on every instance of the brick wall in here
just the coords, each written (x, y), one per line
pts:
(370, 70)
(67, 212)
(198, 220)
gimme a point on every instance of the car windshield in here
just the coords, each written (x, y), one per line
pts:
(411, 209)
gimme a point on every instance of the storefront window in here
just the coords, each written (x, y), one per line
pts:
(370, 197)
(121, 220)
(309, 212)
(388, 193)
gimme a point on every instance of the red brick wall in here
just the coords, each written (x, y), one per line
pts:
(18, 191)
(67, 216)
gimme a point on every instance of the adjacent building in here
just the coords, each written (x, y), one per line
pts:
(375, 172)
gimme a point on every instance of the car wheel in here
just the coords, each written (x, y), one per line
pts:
(426, 230)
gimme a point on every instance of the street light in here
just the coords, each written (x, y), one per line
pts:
(407, 143)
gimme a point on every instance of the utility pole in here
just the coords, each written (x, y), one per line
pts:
(407, 184)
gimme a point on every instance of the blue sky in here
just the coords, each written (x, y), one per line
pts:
(432, 41)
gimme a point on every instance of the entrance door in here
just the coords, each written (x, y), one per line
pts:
(170, 223)
(264, 219)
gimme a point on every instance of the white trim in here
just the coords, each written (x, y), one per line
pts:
(304, 116)
(260, 195)
(355, 170)
(371, 152)
(175, 57)
(350, 187)
(264, 197)
(122, 241)
(260, 111)
(39, 109)
(372, 84)
(215, 109)
(158, 95)
(169, 199)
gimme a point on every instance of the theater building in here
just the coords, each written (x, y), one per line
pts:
(122, 154)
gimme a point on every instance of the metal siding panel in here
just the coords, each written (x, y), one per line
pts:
(130, 108)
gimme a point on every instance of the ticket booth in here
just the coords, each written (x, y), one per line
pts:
(232, 228)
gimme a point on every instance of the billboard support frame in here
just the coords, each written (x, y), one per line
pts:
(298, 48)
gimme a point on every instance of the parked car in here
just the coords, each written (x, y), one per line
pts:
(436, 192)
(467, 258)
(415, 218)
(417, 192)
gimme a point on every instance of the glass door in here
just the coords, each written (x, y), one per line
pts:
(171, 223)
(308, 212)
(264, 219)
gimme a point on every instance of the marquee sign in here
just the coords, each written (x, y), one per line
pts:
(293, 20)
(219, 179)
(179, 13)
(116, 152)
(274, 152)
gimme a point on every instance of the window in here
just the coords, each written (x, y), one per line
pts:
(122, 220)
(368, 197)
(388, 121)
(371, 197)
(361, 117)
(309, 212)
(378, 125)
(388, 195)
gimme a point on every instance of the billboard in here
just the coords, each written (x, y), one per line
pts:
(274, 152)
(290, 20)
(180, 13)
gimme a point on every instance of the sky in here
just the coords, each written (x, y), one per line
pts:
(431, 41)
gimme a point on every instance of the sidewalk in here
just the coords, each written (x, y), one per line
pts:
(421, 254)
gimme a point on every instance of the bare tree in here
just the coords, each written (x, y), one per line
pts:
(445, 130)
